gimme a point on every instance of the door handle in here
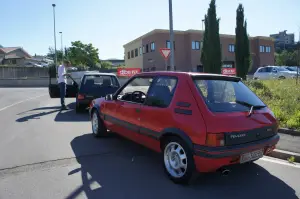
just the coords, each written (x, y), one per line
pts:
(137, 110)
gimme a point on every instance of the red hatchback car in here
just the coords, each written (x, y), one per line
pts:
(200, 122)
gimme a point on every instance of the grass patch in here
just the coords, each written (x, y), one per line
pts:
(282, 97)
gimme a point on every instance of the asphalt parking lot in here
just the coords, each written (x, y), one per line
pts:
(48, 153)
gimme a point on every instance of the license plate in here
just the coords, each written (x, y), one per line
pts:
(251, 156)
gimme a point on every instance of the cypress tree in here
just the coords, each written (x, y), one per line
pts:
(204, 55)
(211, 51)
(242, 51)
(247, 60)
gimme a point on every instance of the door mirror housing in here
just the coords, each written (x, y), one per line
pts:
(109, 97)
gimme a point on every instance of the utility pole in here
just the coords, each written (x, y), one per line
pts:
(62, 50)
(202, 23)
(172, 61)
(55, 60)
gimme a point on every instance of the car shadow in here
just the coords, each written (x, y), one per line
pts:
(71, 115)
(118, 168)
(61, 116)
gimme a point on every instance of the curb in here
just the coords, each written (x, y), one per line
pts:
(289, 132)
(284, 155)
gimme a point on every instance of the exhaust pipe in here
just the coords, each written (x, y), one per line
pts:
(225, 172)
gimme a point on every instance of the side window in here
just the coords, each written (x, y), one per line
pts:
(269, 69)
(262, 70)
(161, 92)
(139, 87)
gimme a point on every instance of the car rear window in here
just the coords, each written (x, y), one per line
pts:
(226, 96)
(90, 81)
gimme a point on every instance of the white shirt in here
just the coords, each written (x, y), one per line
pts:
(61, 71)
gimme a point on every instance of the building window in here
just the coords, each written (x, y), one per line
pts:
(196, 45)
(147, 48)
(14, 61)
(268, 49)
(141, 51)
(136, 52)
(231, 48)
(262, 49)
(144, 49)
(132, 55)
(152, 47)
(168, 44)
(128, 55)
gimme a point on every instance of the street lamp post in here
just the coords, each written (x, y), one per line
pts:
(202, 23)
(55, 59)
(172, 62)
(61, 41)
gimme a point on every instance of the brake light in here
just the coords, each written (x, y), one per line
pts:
(80, 96)
(215, 139)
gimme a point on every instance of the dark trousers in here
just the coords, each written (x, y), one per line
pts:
(62, 88)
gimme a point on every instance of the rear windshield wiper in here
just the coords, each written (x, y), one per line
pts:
(251, 106)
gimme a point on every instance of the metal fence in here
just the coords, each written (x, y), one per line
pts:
(22, 72)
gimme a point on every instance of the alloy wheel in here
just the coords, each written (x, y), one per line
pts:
(175, 160)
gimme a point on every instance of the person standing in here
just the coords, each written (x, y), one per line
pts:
(62, 82)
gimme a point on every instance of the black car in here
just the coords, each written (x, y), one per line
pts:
(95, 85)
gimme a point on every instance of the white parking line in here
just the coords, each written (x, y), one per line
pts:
(282, 162)
(2, 109)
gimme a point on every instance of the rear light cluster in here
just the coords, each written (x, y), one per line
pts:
(215, 139)
(92, 104)
(80, 96)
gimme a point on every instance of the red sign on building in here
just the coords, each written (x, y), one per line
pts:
(127, 72)
(229, 71)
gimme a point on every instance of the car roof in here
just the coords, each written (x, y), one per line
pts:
(95, 73)
(194, 74)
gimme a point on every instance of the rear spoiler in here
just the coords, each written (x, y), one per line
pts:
(216, 77)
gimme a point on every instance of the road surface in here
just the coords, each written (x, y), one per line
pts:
(45, 153)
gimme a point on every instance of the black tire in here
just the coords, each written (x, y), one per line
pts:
(101, 131)
(190, 173)
(79, 108)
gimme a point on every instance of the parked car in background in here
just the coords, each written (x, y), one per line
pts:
(95, 85)
(273, 72)
(176, 113)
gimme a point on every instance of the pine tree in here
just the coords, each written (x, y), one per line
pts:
(211, 51)
(242, 51)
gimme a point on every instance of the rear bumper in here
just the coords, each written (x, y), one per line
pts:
(84, 102)
(209, 159)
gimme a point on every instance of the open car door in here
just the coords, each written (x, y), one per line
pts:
(54, 92)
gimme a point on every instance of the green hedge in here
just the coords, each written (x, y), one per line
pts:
(282, 97)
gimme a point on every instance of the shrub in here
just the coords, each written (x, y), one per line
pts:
(282, 97)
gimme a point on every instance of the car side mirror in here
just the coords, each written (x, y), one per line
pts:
(109, 97)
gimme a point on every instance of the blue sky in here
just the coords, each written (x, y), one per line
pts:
(108, 24)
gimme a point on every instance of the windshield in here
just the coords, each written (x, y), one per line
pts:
(227, 96)
(292, 68)
(281, 69)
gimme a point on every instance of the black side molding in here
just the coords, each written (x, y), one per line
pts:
(183, 111)
(183, 104)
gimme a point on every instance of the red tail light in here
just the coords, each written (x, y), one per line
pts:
(215, 139)
(80, 96)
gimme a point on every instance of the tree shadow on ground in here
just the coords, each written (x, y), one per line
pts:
(61, 116)
(117, 168)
